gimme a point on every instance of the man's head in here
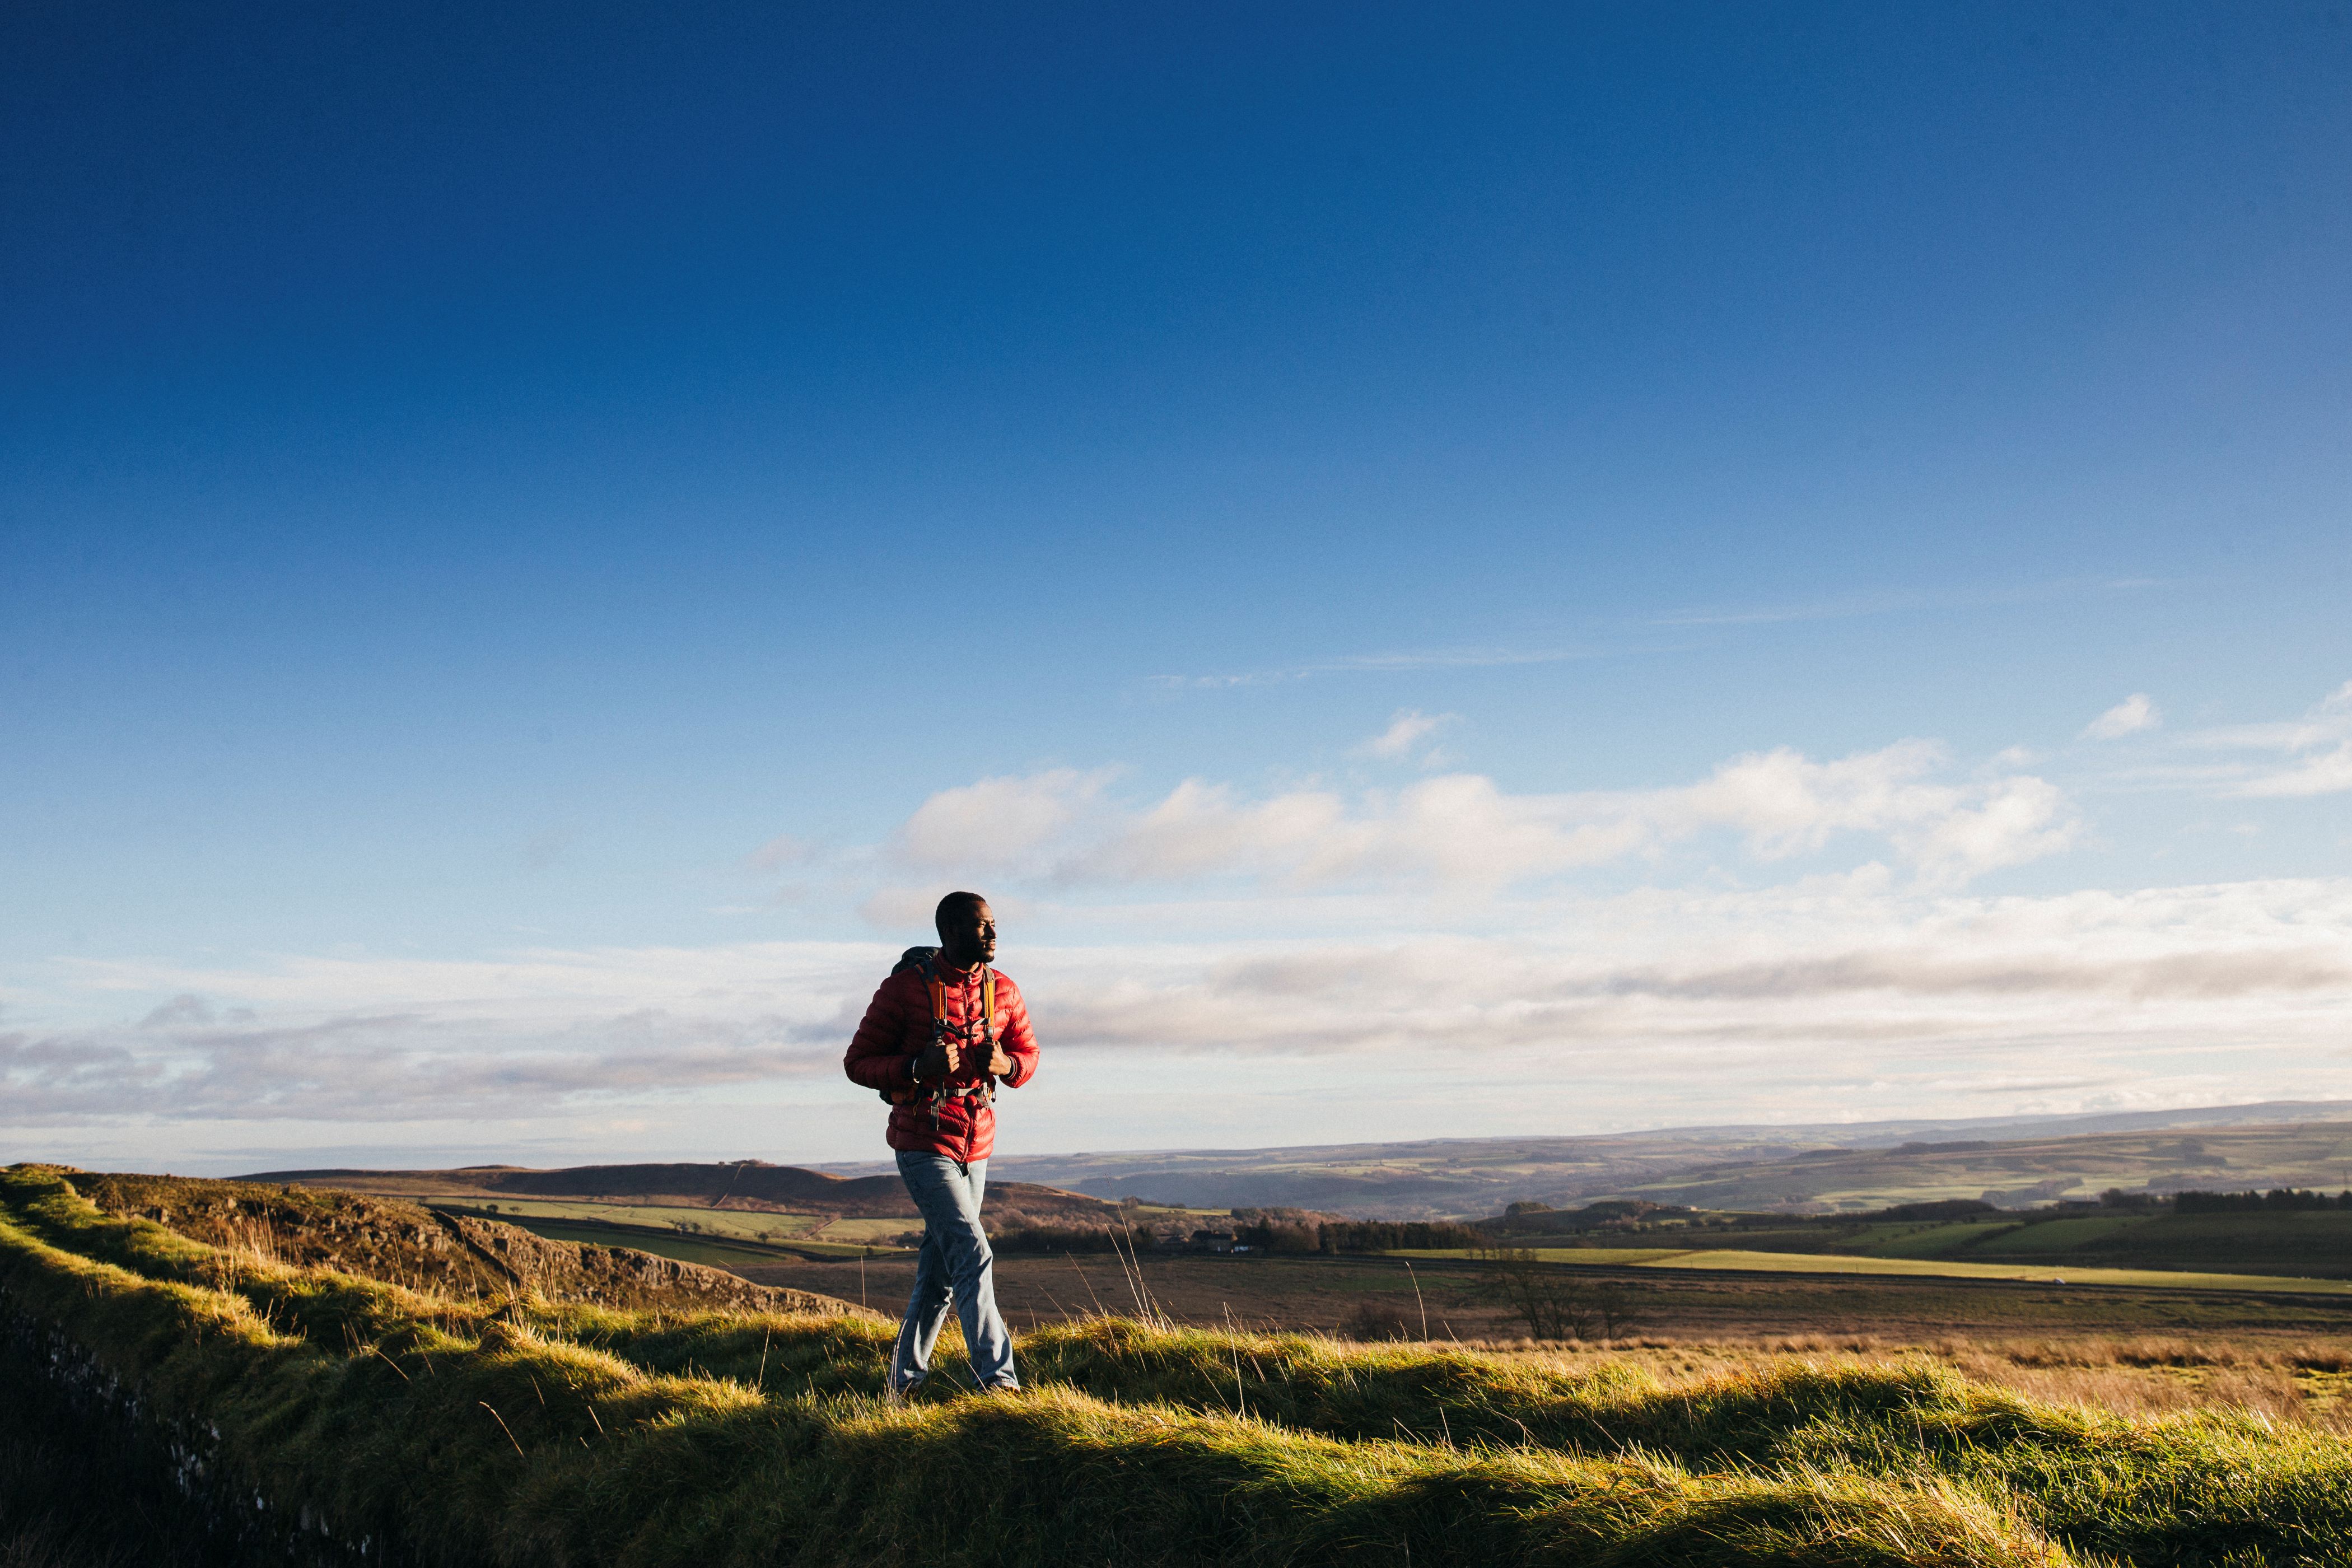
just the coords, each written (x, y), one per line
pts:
(966, 930)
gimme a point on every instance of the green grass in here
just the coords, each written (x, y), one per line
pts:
(759, 1226)
(1936, 1240)
(871, 1232)
(519, 1432)
(718, 1251)
(2062, 1236)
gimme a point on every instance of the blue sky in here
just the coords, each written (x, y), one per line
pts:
(1414, 555)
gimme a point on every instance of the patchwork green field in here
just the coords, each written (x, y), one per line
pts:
(522, 1429)
(2293, 1244)
(1836, 1263)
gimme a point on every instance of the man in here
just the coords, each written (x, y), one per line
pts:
(938, 1038)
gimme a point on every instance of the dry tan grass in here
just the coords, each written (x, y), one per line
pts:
(2305, 1383)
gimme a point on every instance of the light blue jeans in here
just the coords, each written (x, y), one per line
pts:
(955, 1266)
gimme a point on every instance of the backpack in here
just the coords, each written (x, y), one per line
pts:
(926, 959)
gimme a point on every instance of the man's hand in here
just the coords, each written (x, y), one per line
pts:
(998, 1064)
(940, 1061)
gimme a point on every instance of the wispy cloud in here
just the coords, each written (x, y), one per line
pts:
(1858, 606)
(2133, 714)
(2328, 773)
(1407, 730)
(2319, 745)
(1775, 614)
(1643, 635)
(1375, 663)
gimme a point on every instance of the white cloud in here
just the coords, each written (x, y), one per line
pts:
(1463, 829)
(1381, 663)
(1406, 730)
(999, 823)
(2130, 716)
(2320, 742)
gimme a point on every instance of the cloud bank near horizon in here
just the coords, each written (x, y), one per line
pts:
(1801, 939)
(1881, 998)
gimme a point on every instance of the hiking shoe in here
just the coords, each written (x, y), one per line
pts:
(895, 1396)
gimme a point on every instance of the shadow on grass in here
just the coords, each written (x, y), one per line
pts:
(77, 1491)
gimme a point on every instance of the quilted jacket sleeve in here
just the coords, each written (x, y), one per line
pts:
(878, 1055)
(1019, 1040)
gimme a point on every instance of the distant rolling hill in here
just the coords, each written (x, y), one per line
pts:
(751, 1184)
(2019, 1173)
(1716, 1167)
(1822, 1167)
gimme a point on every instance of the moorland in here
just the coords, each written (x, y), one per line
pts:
(327, 1373)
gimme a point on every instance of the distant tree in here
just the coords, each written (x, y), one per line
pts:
(1394, 1235)
(1056, 1238)
(1553, 1303)
(1278, 1236)
(1282, 1215)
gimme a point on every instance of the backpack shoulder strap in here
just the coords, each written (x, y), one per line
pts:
(938, 996)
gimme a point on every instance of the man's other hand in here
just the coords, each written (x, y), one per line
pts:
(939, 1061)
(998, 1064)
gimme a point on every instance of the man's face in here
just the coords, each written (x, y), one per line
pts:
(969, 935)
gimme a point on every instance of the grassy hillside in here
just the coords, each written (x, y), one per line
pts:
(2312, 1243)
(520, 1431)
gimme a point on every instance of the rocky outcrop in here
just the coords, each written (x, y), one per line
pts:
(624, 1277)
(407, 1244)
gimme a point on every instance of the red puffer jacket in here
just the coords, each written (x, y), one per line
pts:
(898, 1028)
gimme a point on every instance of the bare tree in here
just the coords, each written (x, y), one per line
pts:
(1552, 1302)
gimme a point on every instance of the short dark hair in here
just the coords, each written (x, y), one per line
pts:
(953, 903)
